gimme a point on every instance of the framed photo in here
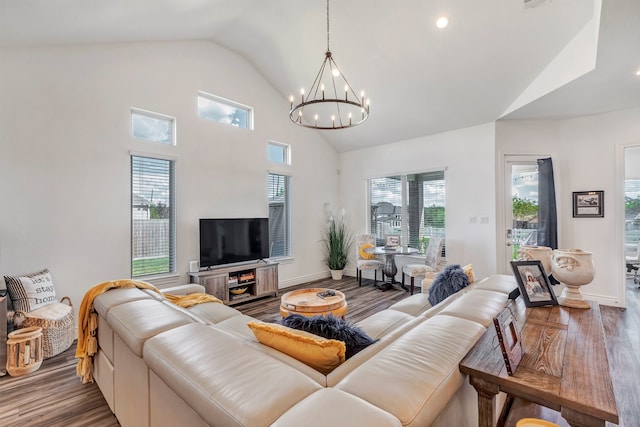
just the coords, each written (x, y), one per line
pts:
(509, 338)
(392, 240)
(588, 204)
(534, 284)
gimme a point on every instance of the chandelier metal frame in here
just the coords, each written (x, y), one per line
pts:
(347, 110)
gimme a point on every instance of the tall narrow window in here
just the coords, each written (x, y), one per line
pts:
(153, 229)
(411, 206)
(279, 215)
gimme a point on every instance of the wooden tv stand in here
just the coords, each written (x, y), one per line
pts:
(258, 278)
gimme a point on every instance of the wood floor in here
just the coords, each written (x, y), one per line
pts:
(54, 396)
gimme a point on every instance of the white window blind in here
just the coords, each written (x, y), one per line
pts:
(279, 215)
(153, 230)
(411, 206)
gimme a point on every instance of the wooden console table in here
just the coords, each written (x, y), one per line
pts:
(564, 367)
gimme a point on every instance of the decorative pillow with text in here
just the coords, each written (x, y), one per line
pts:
(31, 291)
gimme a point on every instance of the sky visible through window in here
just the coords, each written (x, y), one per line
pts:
(220, 112)
(151, 128)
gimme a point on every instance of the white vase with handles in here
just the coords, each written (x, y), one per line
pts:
(537, 253)
(574, 268)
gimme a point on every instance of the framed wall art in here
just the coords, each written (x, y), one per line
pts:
(588, 204)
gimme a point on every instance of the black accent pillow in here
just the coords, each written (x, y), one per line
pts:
(448, 282)
(330, 327)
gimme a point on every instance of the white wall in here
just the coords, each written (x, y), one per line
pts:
(468, 156)
(586, 156)
(65, 157)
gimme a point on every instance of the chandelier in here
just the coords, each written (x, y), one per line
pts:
(331, 102)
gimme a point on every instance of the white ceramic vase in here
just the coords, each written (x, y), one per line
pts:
(336, 274)
(574, 268)
(537, 253)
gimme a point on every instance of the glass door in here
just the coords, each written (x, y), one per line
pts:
(632, 213)
(520, 206)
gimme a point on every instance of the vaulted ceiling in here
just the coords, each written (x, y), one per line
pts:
(497, 59)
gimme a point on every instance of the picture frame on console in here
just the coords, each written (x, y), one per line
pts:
(588, 204)
(533, 283)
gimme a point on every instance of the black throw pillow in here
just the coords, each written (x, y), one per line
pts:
(330, 327)
(450, 281)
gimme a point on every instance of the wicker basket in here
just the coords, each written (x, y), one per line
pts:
(57, 323)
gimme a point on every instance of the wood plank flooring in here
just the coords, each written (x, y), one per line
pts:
(54, 396)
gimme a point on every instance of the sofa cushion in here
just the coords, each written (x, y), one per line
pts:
(415, 376)
(498, 282)
(331, 407)
(383, 322)
(225, 381)
(320, 353)
(212, 313)
(107, 300)
(31, 291)
(137, 321)
(478, 305)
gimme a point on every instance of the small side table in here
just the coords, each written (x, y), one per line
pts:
(307, 303)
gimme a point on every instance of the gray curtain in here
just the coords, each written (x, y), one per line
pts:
(547, 216)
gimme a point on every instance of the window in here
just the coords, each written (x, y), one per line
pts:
(224, 111)
(152, 126)
(279, 215)
(409, 205)
(279, 153)
(153, 228)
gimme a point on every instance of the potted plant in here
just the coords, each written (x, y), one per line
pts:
(337, 242)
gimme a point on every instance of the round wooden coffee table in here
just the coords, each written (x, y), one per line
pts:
(308, 303)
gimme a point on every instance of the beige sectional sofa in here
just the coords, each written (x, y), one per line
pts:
(161, 365)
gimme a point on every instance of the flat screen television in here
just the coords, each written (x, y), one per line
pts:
(233, 240)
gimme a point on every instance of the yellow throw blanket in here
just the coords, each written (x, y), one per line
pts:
(88, 319)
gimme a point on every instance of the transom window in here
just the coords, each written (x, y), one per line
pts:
(224, 111)
(279, 153)
(411, 206)
(152, 126)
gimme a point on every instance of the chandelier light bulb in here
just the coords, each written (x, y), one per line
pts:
(335, 72)
(442, 22)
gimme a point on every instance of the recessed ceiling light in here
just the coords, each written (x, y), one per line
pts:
(442, 22)
(638, 73)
